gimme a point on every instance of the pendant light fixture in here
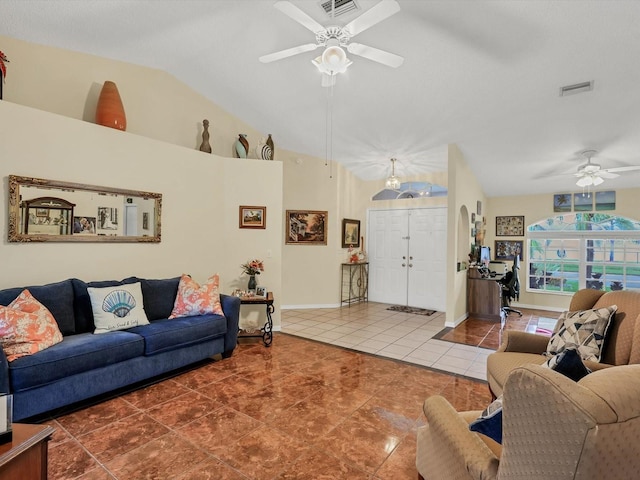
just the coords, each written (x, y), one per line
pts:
(393, 182)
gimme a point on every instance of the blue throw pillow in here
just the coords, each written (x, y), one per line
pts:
(568, 363)
(489, 422)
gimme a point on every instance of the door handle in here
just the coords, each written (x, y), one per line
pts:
(410, 265)
(404, 265)
(404, 258)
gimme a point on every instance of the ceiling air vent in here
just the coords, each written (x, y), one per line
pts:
(577, 88)
(342, 7)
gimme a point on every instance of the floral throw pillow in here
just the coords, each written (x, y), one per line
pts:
(195, 299)
(583, 330)
(27, 327)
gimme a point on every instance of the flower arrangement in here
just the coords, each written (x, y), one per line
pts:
(253, 267)
(3, 67)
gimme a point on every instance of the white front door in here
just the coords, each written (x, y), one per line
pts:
(407, 257)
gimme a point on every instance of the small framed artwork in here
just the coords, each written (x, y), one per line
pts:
(605, 200)
(261, 291)
(473, 218)
(510, 226)
(350, 233)
(582, 202)
(42, 212)
(252, 217)
(479, 207)
(306, 227)
(145, 220)
(562, 202)
(508, 249)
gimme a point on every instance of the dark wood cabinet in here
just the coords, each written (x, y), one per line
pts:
(25, 457)
(484, 297)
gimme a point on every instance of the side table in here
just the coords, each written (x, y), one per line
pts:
(25, 457)
(267, 329)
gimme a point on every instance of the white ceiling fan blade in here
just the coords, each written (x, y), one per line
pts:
(606, 174)
(374, 15)
(272, 57)
(380, 56)
(623, 169)
(299, 16)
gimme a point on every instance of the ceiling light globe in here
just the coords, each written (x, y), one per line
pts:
(597, 180)
(392, 183)
(584, 181)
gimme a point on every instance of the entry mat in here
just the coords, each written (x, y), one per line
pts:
(405, 309)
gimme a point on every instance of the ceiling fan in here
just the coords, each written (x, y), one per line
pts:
(334, 39)
(593, 174)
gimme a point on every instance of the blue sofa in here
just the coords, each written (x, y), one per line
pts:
(85, 364)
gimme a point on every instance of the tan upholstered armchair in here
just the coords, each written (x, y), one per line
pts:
(621, 347)
(553, 428)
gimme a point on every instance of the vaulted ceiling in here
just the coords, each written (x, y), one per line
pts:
(485, 75)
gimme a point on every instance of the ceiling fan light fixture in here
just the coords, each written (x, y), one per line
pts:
(332, 61)
(597, 180)
(587, 181)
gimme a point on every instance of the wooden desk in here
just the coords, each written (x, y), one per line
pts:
(25, 458)
(484, 298)
(267, 329)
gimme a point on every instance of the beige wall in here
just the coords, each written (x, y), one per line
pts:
(464, 193)
(200, 233)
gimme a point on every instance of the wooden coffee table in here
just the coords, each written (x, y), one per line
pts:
(25, 457)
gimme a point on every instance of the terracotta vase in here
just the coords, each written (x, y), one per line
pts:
(110, 112)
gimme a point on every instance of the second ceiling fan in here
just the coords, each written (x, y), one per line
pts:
(334, 39)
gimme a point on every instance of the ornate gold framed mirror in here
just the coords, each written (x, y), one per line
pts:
(54, 211)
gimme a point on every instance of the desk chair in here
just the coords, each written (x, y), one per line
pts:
(511, 288)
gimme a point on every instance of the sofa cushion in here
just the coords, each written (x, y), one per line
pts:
(57, 297)
(194, 299)
(82, 303)
(26, 327)
(75, 354)
(158, 295)
(584, 330)
(163, 335)
(117, 308)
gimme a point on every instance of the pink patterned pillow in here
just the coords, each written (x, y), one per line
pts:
(27, 327)
(193, 299)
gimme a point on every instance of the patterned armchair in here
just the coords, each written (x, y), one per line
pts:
(621, 347)
(553, 428)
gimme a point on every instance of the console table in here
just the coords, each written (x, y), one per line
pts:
(355, 283)
(267, 329)
(25, 457)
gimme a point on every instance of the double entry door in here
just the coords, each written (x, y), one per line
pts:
(407, 257)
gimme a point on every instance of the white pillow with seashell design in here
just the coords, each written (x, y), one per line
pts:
(117, 308)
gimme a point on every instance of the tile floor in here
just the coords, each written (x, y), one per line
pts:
(419, 339)
(301, 409)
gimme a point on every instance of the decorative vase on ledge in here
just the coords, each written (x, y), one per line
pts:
(110, 111)
(252, 283)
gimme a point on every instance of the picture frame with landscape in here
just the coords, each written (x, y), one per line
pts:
(350, 233)
(306, 227)
(252, 216)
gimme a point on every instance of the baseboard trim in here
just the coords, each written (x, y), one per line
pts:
(457, 321)
(537, 307)
(305, 307)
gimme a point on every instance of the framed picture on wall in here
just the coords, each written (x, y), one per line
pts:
(306, 227)
(252, 217)
(350, 233)
(562, 202)
(508, 249)
(510, 226)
